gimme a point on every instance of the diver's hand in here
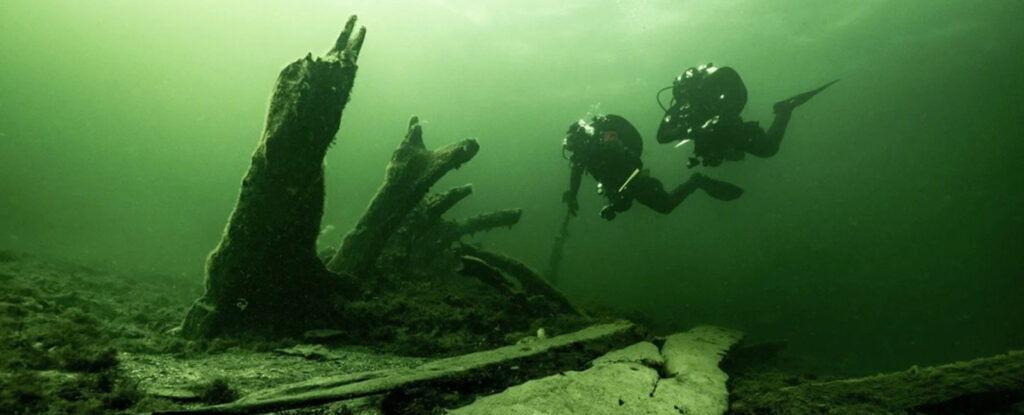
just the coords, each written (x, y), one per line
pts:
(608, 213)
(570, 199)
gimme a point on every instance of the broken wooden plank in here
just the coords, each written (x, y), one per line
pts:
(903, 391)
(531, 282)
(613, 388)
(627, 381)
(644, 353)
(313, 385)
(480, 372)
(692, 359)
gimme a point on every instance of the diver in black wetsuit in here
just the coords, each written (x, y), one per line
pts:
(705, 108)
(609, 148)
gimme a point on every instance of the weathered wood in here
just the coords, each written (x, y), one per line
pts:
(426, 243)
(628, 381)
(264, 274)
(487, 221)
(480, 372)
(644, 353)
(437, 204)
(605, 389)
(697, 385)
(265, 278)
(488, 274)
(410, 174)
(530, 281)
(902, 391)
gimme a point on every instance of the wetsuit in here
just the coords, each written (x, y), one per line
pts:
(706, 109)
(609, 150)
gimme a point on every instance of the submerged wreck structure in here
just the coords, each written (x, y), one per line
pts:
(397, 273)
(403, 281)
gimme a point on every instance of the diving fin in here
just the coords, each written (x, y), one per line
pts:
(795, 101)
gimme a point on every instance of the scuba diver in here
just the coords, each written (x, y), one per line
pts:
(609, 148)
(705, 109)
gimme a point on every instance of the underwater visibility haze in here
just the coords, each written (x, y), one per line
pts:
(887, 231)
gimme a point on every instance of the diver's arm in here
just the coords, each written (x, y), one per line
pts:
(569, 197)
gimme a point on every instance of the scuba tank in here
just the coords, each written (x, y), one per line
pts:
(582, 134)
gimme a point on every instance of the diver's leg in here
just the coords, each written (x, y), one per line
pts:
(788, 104)
(717, 189)
(650, 192)
(766, 144)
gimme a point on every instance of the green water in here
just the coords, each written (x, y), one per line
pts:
(887, 231)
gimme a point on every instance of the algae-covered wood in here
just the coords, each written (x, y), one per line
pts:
(264, 276)
(629, 381)
(479, 372)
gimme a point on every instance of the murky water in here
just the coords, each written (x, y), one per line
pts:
(886, 232)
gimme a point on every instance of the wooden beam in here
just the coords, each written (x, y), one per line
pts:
(480, 372)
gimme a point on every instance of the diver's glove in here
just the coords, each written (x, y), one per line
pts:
(570, 199)
(608, 213)
(618, 203)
